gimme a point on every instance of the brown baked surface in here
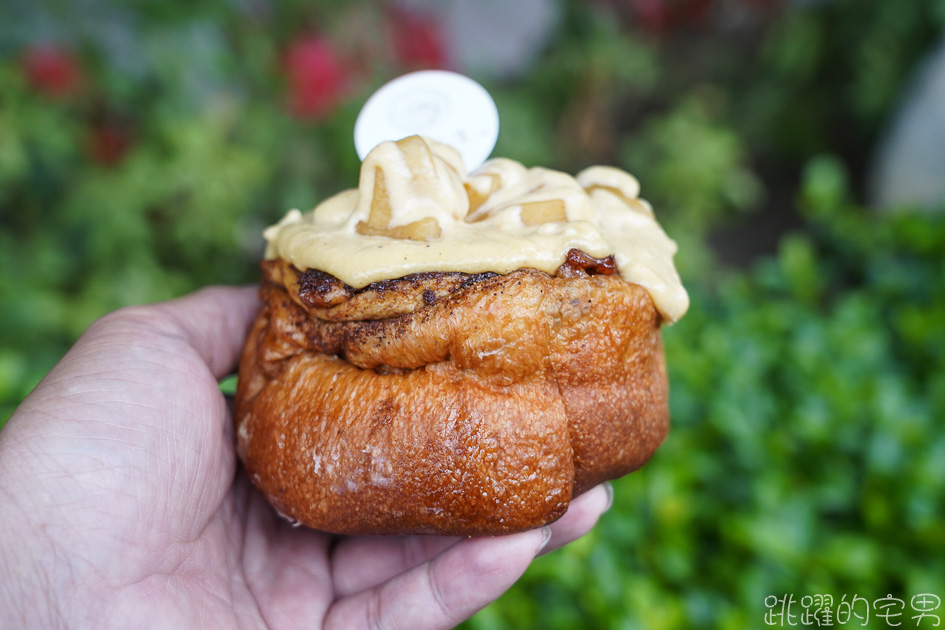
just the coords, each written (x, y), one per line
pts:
(447, 403)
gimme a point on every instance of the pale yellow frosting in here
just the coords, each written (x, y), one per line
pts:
(416, 209)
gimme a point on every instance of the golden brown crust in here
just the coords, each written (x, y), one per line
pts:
(480, 412)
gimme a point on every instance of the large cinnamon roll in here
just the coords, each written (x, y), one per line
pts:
(453, 354)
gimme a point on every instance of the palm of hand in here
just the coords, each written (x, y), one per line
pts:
(120, 475)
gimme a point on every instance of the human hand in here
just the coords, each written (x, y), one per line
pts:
(120, 505)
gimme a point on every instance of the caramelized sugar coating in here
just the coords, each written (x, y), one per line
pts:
(468, 405)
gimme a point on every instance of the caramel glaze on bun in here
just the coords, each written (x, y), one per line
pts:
(447, 402)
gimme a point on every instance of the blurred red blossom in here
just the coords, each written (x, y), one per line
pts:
(108, 142)
(659, 18)
(695, 12)
(417, 40)
(766, 5)
(655, 16)
(317, 77)
(52, 70)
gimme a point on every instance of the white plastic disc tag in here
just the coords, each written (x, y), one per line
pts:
(445, 106)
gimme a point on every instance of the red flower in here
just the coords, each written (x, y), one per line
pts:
(765, 4)
(52, 70)
(417, 40)
(662, 17)
(108, 143)
(656, 16)
(316, 75)
(696, 12)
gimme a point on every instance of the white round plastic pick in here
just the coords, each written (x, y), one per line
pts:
(444, 106)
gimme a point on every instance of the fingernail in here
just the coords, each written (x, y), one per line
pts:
(609, 489)
(545, 539)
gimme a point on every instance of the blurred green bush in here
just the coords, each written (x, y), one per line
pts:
(807, 391)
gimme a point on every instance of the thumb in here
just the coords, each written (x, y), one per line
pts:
(214, 322)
